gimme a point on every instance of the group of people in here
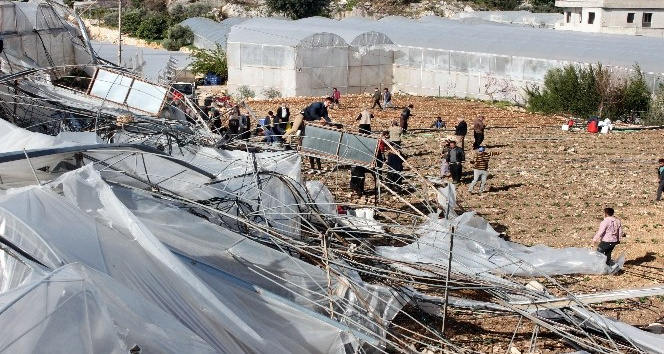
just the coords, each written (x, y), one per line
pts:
(453, 154)
(385, 97)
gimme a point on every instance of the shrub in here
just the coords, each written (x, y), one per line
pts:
(568, 90)
(592, 90)
(153, 27)
(178, 37)
(636, 96)
(271, 93)
(655, 114)
(296, 9)
(110, 19)
(210, 61)
(131, 21)
(181, 12)
(243, 91)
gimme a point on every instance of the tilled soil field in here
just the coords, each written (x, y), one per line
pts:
(547, 187)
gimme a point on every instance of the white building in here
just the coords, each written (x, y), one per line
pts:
(635, 17)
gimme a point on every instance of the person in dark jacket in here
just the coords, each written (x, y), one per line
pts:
(460, 131)
(283, 115)
(455, 157)
(376, 99)
(395, 167)
(405, 115)
(357, 178)
(660, 173)
(313, 112)
(478, 132)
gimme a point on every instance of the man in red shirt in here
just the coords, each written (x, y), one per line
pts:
(609, 234)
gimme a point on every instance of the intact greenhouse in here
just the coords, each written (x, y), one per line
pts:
(306, 57)
(430, 56)
(209, 33)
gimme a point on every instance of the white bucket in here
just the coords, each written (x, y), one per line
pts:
(367, 213)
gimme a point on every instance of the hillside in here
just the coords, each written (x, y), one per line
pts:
(376, 8)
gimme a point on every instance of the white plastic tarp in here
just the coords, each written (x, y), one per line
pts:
(106, 236)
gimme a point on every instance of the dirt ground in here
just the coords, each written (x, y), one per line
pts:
(547, 187)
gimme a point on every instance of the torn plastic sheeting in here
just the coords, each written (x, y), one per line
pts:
(297, 332)
(239, 191)
(433, 305)
(13, 138)
(257, 264)
(137, 259)
(649, 342)
(479, 249)
(83, 310)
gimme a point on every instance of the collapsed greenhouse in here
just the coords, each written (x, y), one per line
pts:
(125, 221)
(430, 56)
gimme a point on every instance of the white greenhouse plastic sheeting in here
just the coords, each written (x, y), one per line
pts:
(479, 249)
(91, 226)
(118, 264)
(77, 309)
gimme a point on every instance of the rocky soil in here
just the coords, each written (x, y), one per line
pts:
(547, 187)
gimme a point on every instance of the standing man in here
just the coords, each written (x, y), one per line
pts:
(478, 130)
(365, 121)
(481, 165)
(336, 96)
(660, 173)
(283, 114)
(460, 131)
(376, 99)
(395, 134)
(405, 115)
(609, 234)
(455, 157)
(387, 99)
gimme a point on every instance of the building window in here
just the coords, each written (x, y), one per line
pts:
(630, 17)
(647, 19)
(591, 18)
(568, 16)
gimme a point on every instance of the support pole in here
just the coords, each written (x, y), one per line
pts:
(447, 279)
(326, 262)
(119, 32)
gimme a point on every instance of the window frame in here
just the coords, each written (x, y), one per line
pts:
(645, 23)
(630, 17)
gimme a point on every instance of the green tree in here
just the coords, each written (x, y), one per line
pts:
(153, 27)
(636, 96)
(180, 12)
(210, 61)
(297, 9)
(177, 37)
(544, 6)
(131, 21)
(570, 89)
